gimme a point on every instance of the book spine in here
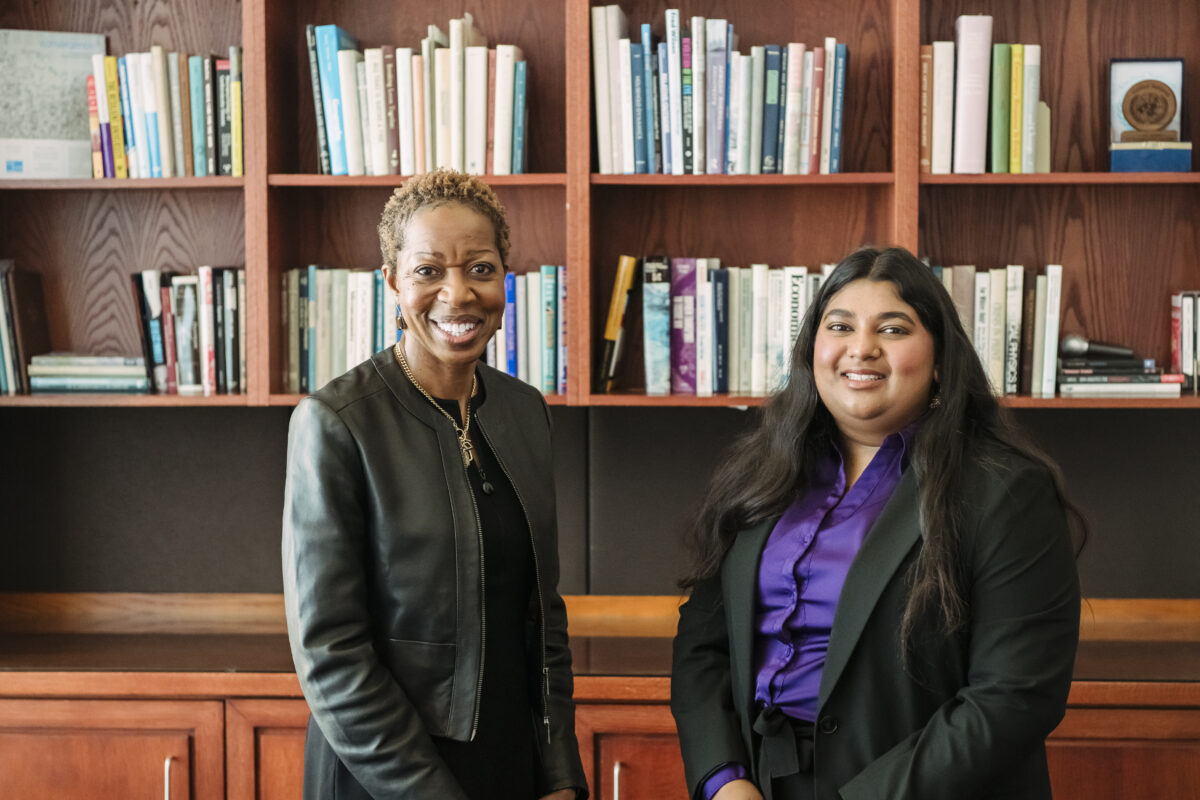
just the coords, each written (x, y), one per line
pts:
(1015, 288)
(983, 305)
(548, 309)
(196, 108)
(331, 39)
(169, 346)
(1177, 332)
(602, 102)
(1016, 110)
(376, 134)
(511, 342)
(773, 61)
(208, 364)
(176, 100)
(519, 117)
(224, 117)
(106, 145)
(208, 65)
(719, 278)
(664, 106)
(563, 330)
(942, 141)
(166, 125)
(806, 112)
(1030, 91)
(827, 104)
(131, 81)
(638, 99)
(817, 112)
(507, 56)
(94, 128)
(404, 111)
(185, 113)
(1053, 303)
(686, 97)
(776, 327)
(683, 326)
(88, 384)
(418, 105)
(236, 137)
(973, 49)
(352, 130)
(314, 75)
(757, 82)
(926, 109)
(675, 86)
(475, 114)
(1001, 106)
(649, 100)
(704, 329)
(715, 44)
(656, 325)
(699, 61)
(116, 117)
(840, 65)
(303, 327)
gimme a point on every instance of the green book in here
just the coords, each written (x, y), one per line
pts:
(1001, 101)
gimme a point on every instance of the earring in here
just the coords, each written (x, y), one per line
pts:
(401, 323)
(936, 401)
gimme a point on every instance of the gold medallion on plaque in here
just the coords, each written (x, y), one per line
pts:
(1149, 106)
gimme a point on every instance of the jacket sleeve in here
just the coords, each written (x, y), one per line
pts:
(361, 710)
(702, 687)
(1024, 629)
(561, 767)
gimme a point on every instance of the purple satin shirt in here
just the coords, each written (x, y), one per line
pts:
(800, 576)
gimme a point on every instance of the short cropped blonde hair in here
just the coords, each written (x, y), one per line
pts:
(431, 190)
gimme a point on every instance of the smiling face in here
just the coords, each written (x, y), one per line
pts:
(449, 282)
(873, 361)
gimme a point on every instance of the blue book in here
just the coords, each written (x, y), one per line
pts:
(650, 99)
(656, 324)
(39, 384)
(562, 329)
(131, 140)
(664, 99)
(150, 123)
(637, 68)
(783, 68)
(719, 278)
(835, 115)
(196, 90)
(378, 323)
(550, 328)
(330, 39)
(300, 328)
(520, 117)
(311, 336)
(770, 120)
(510, 323)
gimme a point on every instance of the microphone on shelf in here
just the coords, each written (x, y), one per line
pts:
(1075, 345)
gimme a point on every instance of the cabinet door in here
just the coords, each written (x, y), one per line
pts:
(630, 752)
(1117, 753)
(265, 748)
(111, 749)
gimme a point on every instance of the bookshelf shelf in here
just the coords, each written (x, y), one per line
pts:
(840, 179)
(328, 181)
(672, 400)
(1061, 178)
(123, 184)
(121, 401)
(293, 399)
(1074, 403)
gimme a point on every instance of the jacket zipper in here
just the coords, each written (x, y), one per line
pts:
(482, 607)
(537, 582)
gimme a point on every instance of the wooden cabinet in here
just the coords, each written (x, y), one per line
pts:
(630, 751)
(111, 749)
(264, 749)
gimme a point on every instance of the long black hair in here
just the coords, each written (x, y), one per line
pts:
(768, 467)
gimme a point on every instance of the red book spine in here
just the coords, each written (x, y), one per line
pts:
(168, 331)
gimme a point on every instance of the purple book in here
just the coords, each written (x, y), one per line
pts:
(683, 326)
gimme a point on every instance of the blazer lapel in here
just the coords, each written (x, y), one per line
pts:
(888, 542)
(739, 578)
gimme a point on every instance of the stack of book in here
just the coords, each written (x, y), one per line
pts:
(57, 373)
(1116, 377)
(532, 342)
(707, 329)
(969, 82)
(163, 114)
(692, 104)
(451, 102)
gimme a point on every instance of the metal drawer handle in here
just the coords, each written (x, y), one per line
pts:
(167, 778)
(616, 780)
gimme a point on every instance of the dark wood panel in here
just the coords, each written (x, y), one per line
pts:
(776, 225)
(1078, 38)
(86, 244)
(536, 27)
(193, 26)
(1124, 249)
(865, 27)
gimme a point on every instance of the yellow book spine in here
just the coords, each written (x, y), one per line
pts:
(235, 125)
(116, 123)
(1016, 115)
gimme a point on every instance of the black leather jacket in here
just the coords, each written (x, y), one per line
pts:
(383, 575)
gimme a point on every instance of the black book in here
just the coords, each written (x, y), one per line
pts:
(224, 120)
(222, 385)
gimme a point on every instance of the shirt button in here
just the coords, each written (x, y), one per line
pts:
(828, 724)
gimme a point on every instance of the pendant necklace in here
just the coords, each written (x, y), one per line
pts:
(464, 442)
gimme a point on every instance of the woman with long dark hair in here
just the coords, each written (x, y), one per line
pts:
(884, 600)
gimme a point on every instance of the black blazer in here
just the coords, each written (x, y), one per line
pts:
(970, 717)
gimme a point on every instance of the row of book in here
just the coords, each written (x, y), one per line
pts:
(334, 318)
(454, 102)
(692, 104)
(24, 331)
(1185, 338)
(980, 104)
(164, 114)
(708, 329)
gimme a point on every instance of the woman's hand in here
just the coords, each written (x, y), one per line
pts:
(741, 789)
(561, 794)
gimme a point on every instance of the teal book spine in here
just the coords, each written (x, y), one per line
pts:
(520, 117)
(656, 325)
(1001, 106)
(196, 90)
(550, 329)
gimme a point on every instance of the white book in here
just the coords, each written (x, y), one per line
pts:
(777, 326)
(101, 89)
(404, 111)
(746, 338)
(827, 101)
(208, 362)
(376, 110)
(434, 40)
(339, 289)
(162, 95)
(948, 283)
(664, 118)
(699, 94)
(1029, 107)
(716, 45)
(797, 307)
(507, 56)
(145, 69)
(522, 313)
(997, 319)
(137, 111)
(617, 29)
(806, 136)
(758, 62)
(1039, 334)
(443, 151)
(734, 120)
(973, 48)
(535, 334)
(475, 114)
(364, 120)
(675, 87)
(734, 367)
(625, 87)
(704, 330)
(185, 302)
(462, 33)
(983, 305)
(1015, 287)
(351, 114)
(176, 113)
(942, 135)
(793, 108)
(760, 275)
(1121, 389)
(1050, 347)
(744, 90)
(1042, 158)
(500, 361)
(601, 96)
(1187, 350)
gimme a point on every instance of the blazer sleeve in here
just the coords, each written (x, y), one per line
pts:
(363, 713)
(1024, 630)
(702, 687)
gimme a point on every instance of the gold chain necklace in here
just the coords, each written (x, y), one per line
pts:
(464, 444)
